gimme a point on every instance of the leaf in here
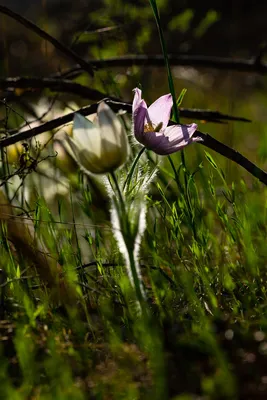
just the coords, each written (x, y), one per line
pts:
(181, 97)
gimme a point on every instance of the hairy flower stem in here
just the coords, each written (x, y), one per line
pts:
(118, 190)
(129, 242)
(136, 280)
(130, 174)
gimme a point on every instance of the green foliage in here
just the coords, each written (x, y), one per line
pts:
(181, 21)
(202, 255)
(210, 18)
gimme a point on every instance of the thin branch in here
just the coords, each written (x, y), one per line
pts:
(67, 86)
(31, 111)
(91, 109)
(85, 65)
(47, 126)
(232, 155)
(208, 141)
(222, 63)
(209, 115)
(57, 85)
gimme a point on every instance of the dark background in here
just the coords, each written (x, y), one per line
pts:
(222, 28)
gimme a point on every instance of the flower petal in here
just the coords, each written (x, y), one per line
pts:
(172, 140)
(180, 132)
(113, 134)
(110, 125)
(178, 136)
(80, 127)
(138, 99)
(139, 117)
(73, 147)
(154, 141)
(87, 160)
(160, 111)
(86, 134)
(113, 156)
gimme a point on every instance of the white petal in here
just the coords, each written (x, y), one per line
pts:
(80, 127)
(86, 134)
(112, 132)
(109, 123)
(86, 160)
(64, 142)
(74, 149)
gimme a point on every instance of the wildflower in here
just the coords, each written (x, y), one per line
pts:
(99, 147)
(150, 126)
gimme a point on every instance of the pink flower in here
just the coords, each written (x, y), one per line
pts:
(150, 126)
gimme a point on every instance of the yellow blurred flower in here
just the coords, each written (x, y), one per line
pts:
(14, 152)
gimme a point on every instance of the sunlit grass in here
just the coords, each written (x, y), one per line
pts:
(203, 268)
(202, 325)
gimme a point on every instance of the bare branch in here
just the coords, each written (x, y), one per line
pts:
(222, 63)
(47, 126)
(208, 141)
(61, 85)
(85, 65)
(116, 107)
(252, 65)
(57, 85)
(232, 155)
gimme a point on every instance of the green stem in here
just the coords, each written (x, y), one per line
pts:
(186, 197)
(130, 174)
(153, 4)
(176, 175)
(115, 181)
(137, 283)
(164, 50)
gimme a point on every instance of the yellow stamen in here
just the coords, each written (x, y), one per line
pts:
(150, 128)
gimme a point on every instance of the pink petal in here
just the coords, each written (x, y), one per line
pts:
(138, 99)
(178, 137)
(165, 140)
(139, 116)
(179, 133)
(172, 140)
(153, 140)
(160, 111)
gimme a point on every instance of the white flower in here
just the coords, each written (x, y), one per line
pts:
(99, 147)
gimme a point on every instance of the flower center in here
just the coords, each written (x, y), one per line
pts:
(149, 127)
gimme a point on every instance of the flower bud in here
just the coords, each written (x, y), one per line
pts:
(99, 147)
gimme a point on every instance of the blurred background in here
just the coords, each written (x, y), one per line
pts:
(112, 28)
(216, 253)
(222, 28)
